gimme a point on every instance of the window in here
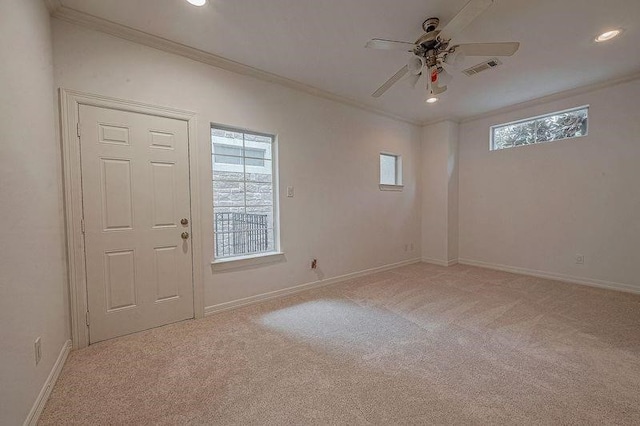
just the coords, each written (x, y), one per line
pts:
(229, 154)
(244, 201)
(390, 171)
(551, 127)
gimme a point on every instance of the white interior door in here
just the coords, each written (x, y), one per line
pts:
(136, 207)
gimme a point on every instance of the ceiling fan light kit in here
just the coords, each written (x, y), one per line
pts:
(433, 51)
(416, 63)
(444, 77)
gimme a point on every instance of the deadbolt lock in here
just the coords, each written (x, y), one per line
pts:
(185, 235)
(184, 221)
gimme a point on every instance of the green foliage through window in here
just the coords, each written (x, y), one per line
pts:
(556, 126)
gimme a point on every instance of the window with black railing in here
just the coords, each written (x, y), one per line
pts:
(243, 194)
(240, 234)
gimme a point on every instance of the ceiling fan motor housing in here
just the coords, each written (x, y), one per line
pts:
(430, 25)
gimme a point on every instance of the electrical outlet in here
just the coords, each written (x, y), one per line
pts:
(38, 350)
(290, 191)
(579, 259)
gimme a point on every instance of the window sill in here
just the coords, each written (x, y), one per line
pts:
(391, 187)
(241, 262)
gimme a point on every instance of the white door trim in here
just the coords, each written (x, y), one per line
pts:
(70, 102)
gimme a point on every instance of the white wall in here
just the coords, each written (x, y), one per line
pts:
(440, 192)
(328, 152)
(536, 207)
(33, 290)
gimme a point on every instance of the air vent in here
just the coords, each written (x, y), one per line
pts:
(491, 63)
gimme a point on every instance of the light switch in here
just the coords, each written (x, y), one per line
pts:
(290, 191)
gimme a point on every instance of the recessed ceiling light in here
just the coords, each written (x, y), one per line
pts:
(608, 35)
(198, 2)
(432, 100)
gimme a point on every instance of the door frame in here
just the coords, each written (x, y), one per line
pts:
(70, 101)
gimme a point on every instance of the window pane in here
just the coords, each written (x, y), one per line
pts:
(254, 161)
(227, 175)
(226, 137)
(514, 135)
(562, 126)
(259, 194)
(388, 171)
(232, 150)
(258, 147)
(261, 173)
(266, 215)
(237, 209)
(224, 159)
(264, 210)
(228, 193)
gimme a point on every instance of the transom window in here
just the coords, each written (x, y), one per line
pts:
(244, 202)
(560, 125)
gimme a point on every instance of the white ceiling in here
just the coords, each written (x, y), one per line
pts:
(321, 44)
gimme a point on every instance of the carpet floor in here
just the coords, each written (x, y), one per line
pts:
(420, 344)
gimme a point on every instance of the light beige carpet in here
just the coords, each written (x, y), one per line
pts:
(417, 345)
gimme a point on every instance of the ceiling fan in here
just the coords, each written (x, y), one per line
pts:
(434, 50)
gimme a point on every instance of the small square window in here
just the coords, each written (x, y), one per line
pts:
(390, 171)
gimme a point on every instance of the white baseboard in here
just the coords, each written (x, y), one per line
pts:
(440, 262)
(554, 276)
(43, 396)
(210, 310)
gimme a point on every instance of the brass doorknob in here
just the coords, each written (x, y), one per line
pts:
(184, 221)
(185, 235)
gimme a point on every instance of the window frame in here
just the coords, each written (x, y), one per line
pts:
(398, 186)
(252, 259)
(492, 128)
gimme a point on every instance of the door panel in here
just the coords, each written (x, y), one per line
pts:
(135, 190)
(165, 272)
(164, 188)
(120, 281)
(116, 191)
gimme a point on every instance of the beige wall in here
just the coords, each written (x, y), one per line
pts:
(440, 192)
(536, 207)
(532, 208)
(328, 152)
(33, 290)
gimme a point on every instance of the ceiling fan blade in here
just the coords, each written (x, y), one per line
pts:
(393, 80)
(488, 49)
(378, 43)
(471, 11)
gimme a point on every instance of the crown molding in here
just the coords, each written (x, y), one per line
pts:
(53, 5)
(580, 90)
(555, 97)
(440, 120)
(73, 16)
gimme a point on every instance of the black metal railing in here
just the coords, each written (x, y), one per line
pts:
(240, 233)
